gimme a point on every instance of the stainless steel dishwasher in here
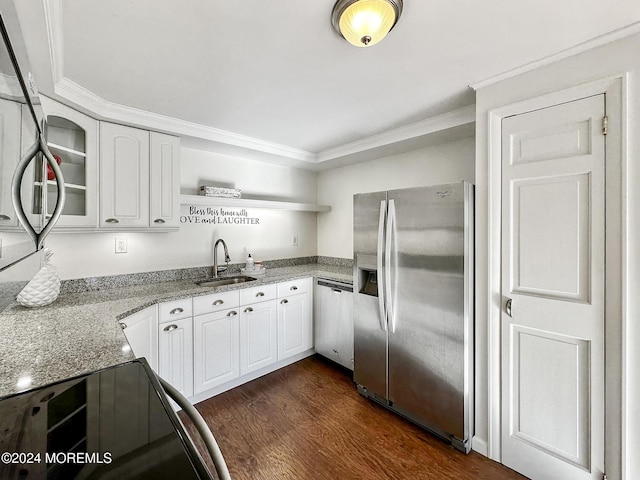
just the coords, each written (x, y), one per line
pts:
(333, 321)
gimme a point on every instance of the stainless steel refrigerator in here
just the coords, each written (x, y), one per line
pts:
(413, 305)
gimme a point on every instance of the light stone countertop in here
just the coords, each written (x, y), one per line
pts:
(79, 332)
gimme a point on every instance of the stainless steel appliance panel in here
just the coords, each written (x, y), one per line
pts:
(427, 321)
(333, 321)
(370, 334)
(413, 307)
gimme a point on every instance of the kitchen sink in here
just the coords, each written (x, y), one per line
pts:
(218, 282)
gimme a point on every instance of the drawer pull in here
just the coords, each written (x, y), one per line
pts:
(218, 302)
(248, 310)
(293, 288)
(4, 217)
(176, 310)
(232, 313)
(170, 328)
(260, 294)
(335, 290)
(158, 220)
(284, 301)
(123, 325)
(112, 220)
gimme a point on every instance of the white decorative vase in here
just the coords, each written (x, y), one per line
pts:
(43, 288)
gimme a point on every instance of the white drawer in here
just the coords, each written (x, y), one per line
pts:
(215, 302)
(293, 287)
(261, 293)
(174, 310)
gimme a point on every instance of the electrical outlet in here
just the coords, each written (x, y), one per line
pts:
(294, 239)
(121, 245)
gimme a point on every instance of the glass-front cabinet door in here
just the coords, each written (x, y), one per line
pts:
(72, 138)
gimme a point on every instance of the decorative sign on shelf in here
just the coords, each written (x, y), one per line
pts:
(219, 216)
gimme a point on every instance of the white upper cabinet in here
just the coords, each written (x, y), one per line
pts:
(139, 178)
(165, 181)
(10, 116)
(72, 138)
(124, 176)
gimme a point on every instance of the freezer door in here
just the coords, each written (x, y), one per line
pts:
(428, 328)
(370, 334)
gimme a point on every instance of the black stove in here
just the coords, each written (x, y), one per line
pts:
(115, 423)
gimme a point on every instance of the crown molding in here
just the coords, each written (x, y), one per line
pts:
(595, 42)
(413, 136)
(96, 106)
(455, 118)
(55, 35)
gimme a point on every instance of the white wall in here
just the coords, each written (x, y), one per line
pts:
(446, 163)
(92, 254)
(613, 59)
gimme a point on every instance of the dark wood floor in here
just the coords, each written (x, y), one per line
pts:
(307, 421)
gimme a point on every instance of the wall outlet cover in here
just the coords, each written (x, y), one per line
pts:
(294, 239)
(121, 245)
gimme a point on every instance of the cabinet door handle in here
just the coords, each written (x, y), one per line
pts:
(260, 294)
(232, 313)
(4, 217)
(112, 220)
(218, 302)
(158, 220)
(284, 301)
(335, 290)
(176, 310)
(507, 306)
(123, 325)
(171, 328)
(293, 288)
(248, 310)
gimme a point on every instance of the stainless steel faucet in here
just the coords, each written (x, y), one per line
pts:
(227, 258)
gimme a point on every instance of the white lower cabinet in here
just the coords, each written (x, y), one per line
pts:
(141, 330)
(216, 349)
(295, 332)
(175, 354)
(258, 336)
(208, 344)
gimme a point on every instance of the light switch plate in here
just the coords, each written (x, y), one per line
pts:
(121, 245)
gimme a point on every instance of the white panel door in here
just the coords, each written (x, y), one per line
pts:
(124, 176)
(258, 336)
(216, 349)
(164, 173)
(294, 325)
(553, 220)
(175, 354)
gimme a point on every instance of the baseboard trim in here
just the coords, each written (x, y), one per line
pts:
(249, 377)
(479, 445)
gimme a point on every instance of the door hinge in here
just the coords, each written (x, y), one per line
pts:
(605, 128)
(604, 476)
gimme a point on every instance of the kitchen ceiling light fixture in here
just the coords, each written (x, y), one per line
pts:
(364, 23)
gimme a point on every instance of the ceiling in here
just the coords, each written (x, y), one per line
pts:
(275, 73)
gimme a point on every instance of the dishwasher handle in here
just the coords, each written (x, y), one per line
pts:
(342, 287)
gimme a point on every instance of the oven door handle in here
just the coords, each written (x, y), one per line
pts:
(207, 437)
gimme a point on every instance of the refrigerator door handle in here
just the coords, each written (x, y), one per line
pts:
(390, 258)
(382, 311)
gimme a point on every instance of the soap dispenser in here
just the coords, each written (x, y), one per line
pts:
(249, 264)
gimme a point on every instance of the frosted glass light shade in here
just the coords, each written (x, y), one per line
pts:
(364, 23)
